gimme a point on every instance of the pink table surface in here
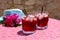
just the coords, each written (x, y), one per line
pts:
(14, 33)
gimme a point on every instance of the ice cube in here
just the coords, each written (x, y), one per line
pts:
(28, 18)
(24, 17)
(35, 18)
(45, 14)
(31, 16)
(41, 16)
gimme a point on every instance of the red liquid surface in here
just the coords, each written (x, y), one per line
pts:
(28, 25)
(43, 22)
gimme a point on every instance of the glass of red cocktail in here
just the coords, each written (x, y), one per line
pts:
(42, 20)
(29, 24)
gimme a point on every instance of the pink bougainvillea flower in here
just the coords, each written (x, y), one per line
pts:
(18, 21)
(11, 19)
(14, 16)
(8, 21)
(6, 16)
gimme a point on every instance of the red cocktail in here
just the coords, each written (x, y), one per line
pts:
(42, 22)
(29, 24)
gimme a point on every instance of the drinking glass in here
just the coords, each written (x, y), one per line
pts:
(42, 20)
(29, 24)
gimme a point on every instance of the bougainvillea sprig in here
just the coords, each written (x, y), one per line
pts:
(11, 20)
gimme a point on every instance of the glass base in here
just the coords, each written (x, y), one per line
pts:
(28, 32)
(42, 28)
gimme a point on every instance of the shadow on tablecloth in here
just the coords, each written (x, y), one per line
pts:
(22, 34)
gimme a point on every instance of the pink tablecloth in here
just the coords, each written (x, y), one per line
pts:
(14, 33)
